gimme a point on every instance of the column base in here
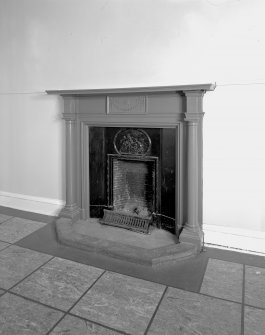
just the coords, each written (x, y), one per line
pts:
(193, 236)
(71, 212)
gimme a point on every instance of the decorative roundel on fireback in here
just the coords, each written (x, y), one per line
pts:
(132, 142)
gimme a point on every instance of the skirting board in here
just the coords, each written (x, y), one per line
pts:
(218, 236)
(235, 238)
(23, 202)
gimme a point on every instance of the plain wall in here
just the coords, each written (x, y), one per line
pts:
(71, 44)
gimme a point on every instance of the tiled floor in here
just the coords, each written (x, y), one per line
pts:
(43, 293)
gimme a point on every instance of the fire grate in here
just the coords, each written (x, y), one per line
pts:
(127, 221)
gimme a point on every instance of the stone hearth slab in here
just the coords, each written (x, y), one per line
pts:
(158, 247)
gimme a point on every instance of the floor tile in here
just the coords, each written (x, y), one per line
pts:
(17, 262)
(19, 316)
(16, 228)
(4, 217)
(3, 245)
(223, 280)
(187, 313)
(59, 283)
(120, 302)
(255, 286)
(254, 321)
(71, 325)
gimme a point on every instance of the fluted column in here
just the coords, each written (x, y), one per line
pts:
(71, 209)
(192, 229)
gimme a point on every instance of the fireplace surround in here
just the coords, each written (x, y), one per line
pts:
(170, 110)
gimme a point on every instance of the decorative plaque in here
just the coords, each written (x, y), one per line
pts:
(126, 104)
(132, 142)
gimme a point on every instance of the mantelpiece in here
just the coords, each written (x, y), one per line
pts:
(179, 108)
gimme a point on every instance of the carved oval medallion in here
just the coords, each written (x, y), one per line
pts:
(126, 105)
(132, 142)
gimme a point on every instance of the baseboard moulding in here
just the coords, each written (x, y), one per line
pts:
(23, 202)
(47, 210)
(242, 240)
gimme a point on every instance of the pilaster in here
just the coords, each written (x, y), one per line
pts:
(192, 230)
(71, 209)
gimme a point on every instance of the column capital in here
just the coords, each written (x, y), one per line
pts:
(194, 93)
(193, 118)
(193, 106)
(69, 113)
(69, 117)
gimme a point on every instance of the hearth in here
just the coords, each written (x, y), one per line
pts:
(134, 161)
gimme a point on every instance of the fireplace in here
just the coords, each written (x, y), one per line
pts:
(134, 161)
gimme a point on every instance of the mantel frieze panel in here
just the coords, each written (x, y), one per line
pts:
(126, 104)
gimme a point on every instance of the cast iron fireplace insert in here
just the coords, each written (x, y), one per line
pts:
(132, 180)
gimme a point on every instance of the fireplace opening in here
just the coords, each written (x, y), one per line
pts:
(132, 177)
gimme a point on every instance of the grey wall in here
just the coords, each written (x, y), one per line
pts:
(65, 44)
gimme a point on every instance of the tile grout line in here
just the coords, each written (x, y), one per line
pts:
(6, 241)
(52, 257)
(69, 309)
(243, 301)
(155, 312)
(256, 307)
(68, 312)
(10, 288)
(63, 311)
(17, 241)
(7, 246)
(12, 217)
(218, 298)
(35, 301)
(98, 323)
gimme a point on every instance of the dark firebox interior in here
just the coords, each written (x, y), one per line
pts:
(163, 144)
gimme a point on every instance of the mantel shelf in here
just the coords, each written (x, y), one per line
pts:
(136, 90)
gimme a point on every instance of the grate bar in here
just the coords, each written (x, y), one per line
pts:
(127, 221)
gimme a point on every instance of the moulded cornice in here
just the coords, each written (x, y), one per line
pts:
(136, 90)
